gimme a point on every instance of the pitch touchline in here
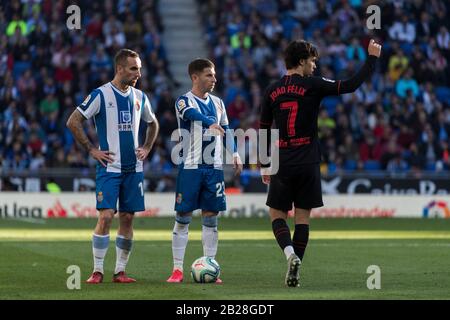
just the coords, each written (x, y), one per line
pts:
(229, 235)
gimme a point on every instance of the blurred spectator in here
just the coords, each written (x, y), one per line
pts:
(355, 51)
(132, 30)
(428, 145)
(443, 38)
(397, 164)
(424, 27)
(405, 137)
(237, 110)
(115, 39)
(403, 30)
(407, 83)
(16, 24)
(100, 61)
(349, 149)
(370, 149)
(26, 85)
(94, 27)
(398, 63)
(49, 105)
(111, 24)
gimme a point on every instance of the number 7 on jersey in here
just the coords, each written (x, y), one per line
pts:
(292, 106)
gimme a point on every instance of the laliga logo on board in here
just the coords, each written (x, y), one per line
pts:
(436, 209)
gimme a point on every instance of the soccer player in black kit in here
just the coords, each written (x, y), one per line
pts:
(293, 103)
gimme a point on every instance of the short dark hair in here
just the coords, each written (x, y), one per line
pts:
(197, 66)
(298, 50)
(122, 55)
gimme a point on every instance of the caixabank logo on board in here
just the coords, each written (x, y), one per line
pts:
(436, 209)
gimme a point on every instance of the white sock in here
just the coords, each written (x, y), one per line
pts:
(210, 239)
(179, 243)
(99, 248)
(288, 251)
(123, 249)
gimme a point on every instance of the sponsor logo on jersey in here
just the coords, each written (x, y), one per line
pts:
(124, 127)
(85, 102)
(125, 121)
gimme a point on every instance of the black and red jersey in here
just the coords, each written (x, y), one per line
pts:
(293, 104)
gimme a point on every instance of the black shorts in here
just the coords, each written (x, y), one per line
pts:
(303, 188)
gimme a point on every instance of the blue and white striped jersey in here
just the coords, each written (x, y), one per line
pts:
(212, 108)
(117, 117)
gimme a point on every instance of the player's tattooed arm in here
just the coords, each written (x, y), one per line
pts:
(75, 125)
(152, 132)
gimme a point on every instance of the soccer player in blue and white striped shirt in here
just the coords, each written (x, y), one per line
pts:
(202, 121)
(117, 109)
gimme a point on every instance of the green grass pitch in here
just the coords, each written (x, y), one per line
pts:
(413, 256)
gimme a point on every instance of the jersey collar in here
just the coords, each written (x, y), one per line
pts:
(123, 94)
(204, 101)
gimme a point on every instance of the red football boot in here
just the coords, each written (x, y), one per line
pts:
(121, 277)
(176, 277)
(219, 281)
(95, 278)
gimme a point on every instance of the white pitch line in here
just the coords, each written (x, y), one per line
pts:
(31, 220)
(346, 244)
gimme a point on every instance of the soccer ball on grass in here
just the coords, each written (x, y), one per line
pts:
(205, 270)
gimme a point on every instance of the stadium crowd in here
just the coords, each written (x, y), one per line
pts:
(399, 121)
(46, 70)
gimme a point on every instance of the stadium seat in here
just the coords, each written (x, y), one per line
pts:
(308, 34)
(443, 94)
(331, 168)
(407, 48)
(372, 165)
(20, 67)
(430, 166)
(288, 24)
(318, 24)
(350, 165)
(245, 178)
(330, 104)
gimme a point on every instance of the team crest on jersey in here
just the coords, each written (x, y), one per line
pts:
(329, 80)
(100, 196)
(125, 121)
(125, 116)
(179, 198)
(86, 100)
(181, 104)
